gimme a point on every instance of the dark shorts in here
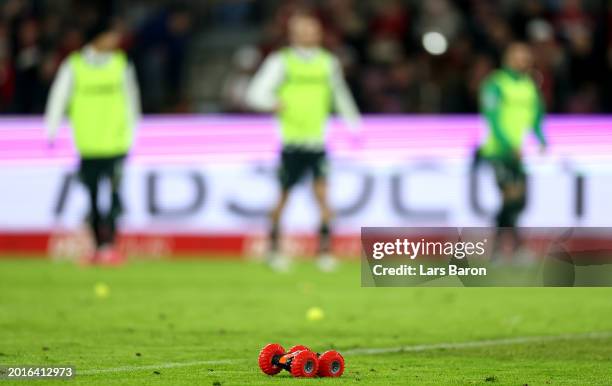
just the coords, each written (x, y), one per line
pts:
(92, 170)
(297, 163)
(508, 172)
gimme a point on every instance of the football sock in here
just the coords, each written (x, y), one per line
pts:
(115, 211)
(324, 238)
(506, 220)
(274, 232)
(95, 219)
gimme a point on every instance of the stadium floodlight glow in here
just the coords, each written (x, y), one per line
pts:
(434, 43)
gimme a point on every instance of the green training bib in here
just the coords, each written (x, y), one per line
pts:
(98, 108)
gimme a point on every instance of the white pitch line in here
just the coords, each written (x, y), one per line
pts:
(478, 343)
(169, 365)
(374, 351)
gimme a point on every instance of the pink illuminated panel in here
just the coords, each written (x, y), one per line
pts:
(181, 139)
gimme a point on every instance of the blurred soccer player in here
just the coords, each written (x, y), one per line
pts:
(300, 84)
(512, 106)
(97, 86)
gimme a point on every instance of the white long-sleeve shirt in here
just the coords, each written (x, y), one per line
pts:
(61, 91)
(262, 91)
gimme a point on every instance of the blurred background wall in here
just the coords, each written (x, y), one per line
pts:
(194, 177)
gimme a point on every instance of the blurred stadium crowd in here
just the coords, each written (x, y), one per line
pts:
(394, 65)
(36, 35)
(399, 56)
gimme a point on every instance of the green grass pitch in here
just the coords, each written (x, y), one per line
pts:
(204, 322)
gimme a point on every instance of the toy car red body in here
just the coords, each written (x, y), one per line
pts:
(300, 361)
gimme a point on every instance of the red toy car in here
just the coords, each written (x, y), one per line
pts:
(300, 361)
